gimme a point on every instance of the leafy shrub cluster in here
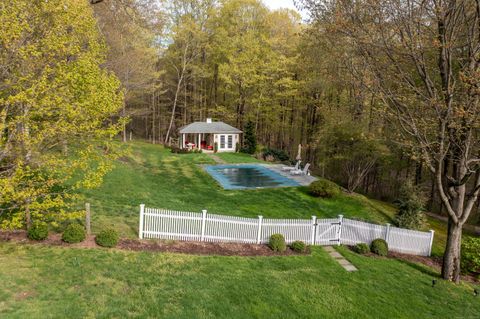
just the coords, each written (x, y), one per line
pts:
(379, 247)
(410, 208)
(38, 231)
(73, 233)
(270, 154)
(107, 238)
(324, 188)
(298, 246)
(470, 261)
(178, 150)
(361, 248)
(277, 243)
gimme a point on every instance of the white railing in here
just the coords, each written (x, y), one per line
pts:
(191, 226)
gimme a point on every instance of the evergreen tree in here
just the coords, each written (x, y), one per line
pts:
(250, 141)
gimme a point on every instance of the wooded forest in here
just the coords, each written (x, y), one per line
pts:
(299, 82)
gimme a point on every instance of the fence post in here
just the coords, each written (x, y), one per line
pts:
(140, 228)
(387, 233)
(259, 232)
(432, 233)
(314, 227)
(87, 219)
(204, 221)
(339, 233)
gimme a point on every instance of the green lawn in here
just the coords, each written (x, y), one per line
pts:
(152, 175)
(45, 282)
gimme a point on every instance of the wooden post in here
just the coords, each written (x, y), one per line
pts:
(339, 233)
(432, 233)
(314, 227)
(259, 232)
(204, 221)
(88, 219)
(140, 228)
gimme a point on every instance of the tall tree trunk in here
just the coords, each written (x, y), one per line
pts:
(451, 258)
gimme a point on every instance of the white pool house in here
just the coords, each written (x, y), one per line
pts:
(204, 136)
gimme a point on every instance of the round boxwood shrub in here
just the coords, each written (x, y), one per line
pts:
(299, 246)
(277, 243)
(107, 238)
(361, 248)
(379, 247)
(73, 233)
(324, 188)
(38, 231)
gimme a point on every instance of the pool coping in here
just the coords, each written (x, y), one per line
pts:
(273, 170)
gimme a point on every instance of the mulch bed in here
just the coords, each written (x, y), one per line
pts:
(194, 248)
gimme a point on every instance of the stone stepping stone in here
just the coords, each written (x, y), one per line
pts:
(340, 259)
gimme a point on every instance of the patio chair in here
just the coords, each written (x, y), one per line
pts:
(302, 172)
(292, 168)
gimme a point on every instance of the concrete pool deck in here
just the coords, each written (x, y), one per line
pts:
(302, 180)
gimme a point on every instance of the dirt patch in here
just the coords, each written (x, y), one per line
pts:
(24, 295)
(195, 248)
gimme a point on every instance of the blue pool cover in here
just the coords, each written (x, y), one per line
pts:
(247, 176)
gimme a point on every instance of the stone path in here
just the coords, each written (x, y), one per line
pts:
(340, 259)
(217, 159)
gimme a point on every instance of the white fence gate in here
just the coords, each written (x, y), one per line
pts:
(191, 226)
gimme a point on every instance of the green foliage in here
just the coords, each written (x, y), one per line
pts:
(74, 233)
(470, 261)
(107, 238)
(277, 243)
(178, 150)
(276, 155)
(38, 231)
(56, 109)
(349, 153)
(361, 248)
(410, 213)
(324, 188)
(298, 246)
(250, 140)
(379, 247)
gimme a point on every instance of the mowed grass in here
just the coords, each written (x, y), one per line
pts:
(152, 175)
(51, 282)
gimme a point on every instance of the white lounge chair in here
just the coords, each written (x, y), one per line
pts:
(292, 168)
(303, 171)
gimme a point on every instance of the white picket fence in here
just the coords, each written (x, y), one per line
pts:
(192, 226)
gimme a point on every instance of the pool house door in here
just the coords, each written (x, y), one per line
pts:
(227, 142)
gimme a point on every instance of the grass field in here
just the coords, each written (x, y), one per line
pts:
(53, 282)
(44, 282)
(152, 175)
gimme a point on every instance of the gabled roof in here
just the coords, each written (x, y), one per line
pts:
(205, 127)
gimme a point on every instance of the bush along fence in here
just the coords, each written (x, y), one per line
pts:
(193, 226)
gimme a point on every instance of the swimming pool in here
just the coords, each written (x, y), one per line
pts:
(247, 176)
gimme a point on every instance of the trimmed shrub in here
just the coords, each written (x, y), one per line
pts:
(379, 247)
(324, 188)
(74, 233)
(470, 261)
(107, 238)
(299, 246)
(277, 243)
(38, 231)
(361, 249)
